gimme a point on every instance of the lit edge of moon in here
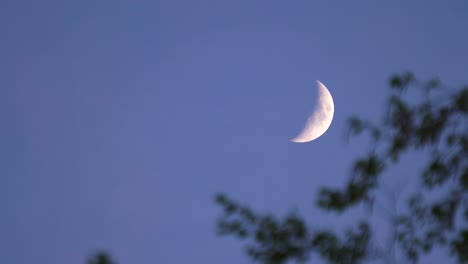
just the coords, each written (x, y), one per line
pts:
(320, 119)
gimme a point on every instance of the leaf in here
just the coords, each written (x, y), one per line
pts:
(431, 85)
(399, 82)
(461, 101)
(436, 173)
(459, 246)
(464, 179)
(396, 82)
(398, 145)
(355, 126)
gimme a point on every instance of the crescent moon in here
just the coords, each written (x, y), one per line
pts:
(320, 119)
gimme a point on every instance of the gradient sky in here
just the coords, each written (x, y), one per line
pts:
(119, 120)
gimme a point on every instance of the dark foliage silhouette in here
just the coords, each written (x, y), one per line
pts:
(100, 258)
(436, 125)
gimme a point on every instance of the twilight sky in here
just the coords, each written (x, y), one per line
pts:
(119, 120)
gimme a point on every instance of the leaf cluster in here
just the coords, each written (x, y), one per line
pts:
(273, 240)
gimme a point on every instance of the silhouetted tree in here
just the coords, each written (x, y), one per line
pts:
(437, 126)
(100, 258)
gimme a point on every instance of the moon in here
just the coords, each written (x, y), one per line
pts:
(320, 119)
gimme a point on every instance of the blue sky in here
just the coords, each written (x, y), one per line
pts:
(119, 120)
